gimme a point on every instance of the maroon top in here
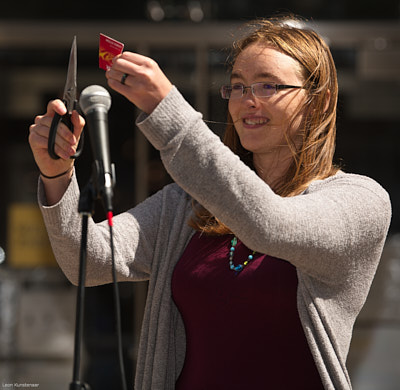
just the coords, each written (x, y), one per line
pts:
(243, 329)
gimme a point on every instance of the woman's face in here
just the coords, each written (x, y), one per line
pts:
(261, 122)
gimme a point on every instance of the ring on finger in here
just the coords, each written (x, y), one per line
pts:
(123, 78)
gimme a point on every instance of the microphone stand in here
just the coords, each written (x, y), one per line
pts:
(87, 200)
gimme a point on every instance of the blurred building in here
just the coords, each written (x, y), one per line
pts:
(189, 40)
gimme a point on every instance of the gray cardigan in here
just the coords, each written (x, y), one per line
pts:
(333, 234)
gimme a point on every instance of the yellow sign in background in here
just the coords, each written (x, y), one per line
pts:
(28, 244)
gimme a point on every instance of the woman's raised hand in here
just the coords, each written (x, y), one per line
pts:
(65, 147)
(139, 79)
(66, 141)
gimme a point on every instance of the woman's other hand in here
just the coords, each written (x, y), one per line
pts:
(65, 146)
(139, 79)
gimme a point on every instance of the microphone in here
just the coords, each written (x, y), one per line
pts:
(2, 255)
(95, 101)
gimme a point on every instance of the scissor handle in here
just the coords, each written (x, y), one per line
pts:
(66, 119)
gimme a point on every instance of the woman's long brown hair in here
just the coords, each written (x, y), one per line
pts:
(313, 160)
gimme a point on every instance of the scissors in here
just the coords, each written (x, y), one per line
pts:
(71, 103)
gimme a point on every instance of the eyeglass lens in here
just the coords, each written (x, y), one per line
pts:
(237, 90)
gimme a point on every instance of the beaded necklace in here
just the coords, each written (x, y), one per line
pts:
(239, 267)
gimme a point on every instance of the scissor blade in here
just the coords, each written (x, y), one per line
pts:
(70, 85)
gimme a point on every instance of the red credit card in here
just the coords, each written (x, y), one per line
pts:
(108, 49)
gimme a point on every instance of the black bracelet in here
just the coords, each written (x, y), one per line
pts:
(59, 175)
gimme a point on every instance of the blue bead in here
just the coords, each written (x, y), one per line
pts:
(232, 249)
(250, 257)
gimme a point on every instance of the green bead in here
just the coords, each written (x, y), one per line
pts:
(238, 267)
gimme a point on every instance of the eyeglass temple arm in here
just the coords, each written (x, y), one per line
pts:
(282, 86)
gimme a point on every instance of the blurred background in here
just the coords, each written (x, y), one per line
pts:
(189, 40)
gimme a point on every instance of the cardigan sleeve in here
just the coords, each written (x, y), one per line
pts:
(325, 232)
(136, 235)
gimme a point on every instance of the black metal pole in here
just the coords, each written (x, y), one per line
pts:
(86, 206)
(80, 304)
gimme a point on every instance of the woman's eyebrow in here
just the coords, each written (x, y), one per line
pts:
(262, 75)
(236, 75)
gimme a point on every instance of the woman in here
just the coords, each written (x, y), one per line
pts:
(261, 256)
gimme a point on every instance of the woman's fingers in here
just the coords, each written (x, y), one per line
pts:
(78, 123)
(55, 106)
(65, 139)
(139, 79)
(66, 142)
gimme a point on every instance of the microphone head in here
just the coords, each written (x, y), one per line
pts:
(2, 255)
(94, 97)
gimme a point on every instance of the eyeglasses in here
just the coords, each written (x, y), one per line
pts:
(236, 91)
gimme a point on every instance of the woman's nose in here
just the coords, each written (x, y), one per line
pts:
(248, 97)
